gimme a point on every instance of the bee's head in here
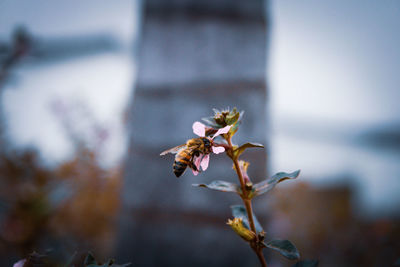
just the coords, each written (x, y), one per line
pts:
(207, 143)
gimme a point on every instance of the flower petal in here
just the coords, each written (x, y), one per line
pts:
(197, 162)
(195, 172)
(199, 129)
(222, 131)
(218, 149)
(205, 161)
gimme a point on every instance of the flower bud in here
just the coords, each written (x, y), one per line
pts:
(220, 120)
(226, 117)
(249, 186)
(243, 166)
(261, 235)
(237, 225)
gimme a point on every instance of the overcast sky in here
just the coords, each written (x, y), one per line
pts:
(336, 60)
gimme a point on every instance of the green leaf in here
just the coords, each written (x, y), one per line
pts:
(285, 247)
(91, 262)
(266, 185)
(119, 265)
(239, 211)
(306, 263)
(71, 259)
(221, 186)
(89, 259)
(235, 126)
(243, 147)
(36, 258)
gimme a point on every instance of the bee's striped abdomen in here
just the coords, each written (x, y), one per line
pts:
(182, 160)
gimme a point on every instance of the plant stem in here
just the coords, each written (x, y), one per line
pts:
(247, 202)
(249, 209)
(260, 256)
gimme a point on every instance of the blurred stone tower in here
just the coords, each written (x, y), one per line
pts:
(193, 56)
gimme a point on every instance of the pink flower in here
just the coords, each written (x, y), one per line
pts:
(20, 263)
(203, 159)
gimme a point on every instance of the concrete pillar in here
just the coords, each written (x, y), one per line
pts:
(193, 56)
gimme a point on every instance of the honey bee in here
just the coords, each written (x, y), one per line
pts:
(186, 153)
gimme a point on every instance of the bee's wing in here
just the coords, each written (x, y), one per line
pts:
(173, 150)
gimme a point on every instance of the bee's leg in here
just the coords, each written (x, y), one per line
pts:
(192, 166)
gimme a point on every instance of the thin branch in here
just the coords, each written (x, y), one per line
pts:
(247, 202)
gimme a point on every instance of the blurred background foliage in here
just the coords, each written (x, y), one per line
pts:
(69, 208)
